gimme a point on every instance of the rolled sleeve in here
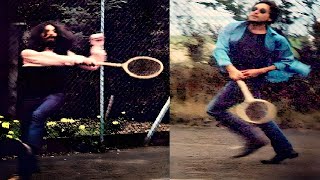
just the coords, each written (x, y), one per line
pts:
(220, 53)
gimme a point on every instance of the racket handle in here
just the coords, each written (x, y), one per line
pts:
(245, 90)
(110, 64)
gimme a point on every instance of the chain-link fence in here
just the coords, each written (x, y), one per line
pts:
(131, 27)
(194, 28)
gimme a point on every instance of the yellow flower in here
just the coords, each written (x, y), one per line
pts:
(123, 112)
(10, 132)
(16, 121)
(9, 136)
(1, 117)
(98, 116)
(6, 125)
(67, 120)
(82, 127)
(115, 122)
(63, 119)
(50, 123)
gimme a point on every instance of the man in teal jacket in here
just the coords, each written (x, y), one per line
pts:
(252, 51)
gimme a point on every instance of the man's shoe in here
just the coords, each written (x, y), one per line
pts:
(28, 163)
(250, 148)
(280, 157)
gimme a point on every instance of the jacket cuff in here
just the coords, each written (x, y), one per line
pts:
(279, 65)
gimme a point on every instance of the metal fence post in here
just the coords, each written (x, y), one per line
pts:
(102, 123)
(157, 121)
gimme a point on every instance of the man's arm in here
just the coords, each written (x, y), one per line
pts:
(221, 56)
(286, 60)
(250, 73)
(234, 73)
(97, 57)
(49, 58)
(97, 51)
(220, 53)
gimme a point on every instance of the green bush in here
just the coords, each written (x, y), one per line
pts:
(9, 129)
(66, 127)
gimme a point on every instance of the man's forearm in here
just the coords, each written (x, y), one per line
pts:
(47, 58)
(230, 68)
(269, 68)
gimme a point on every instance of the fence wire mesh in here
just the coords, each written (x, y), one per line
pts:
(194, 28)
(132, 28)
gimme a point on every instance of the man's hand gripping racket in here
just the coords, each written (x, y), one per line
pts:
(142, 67)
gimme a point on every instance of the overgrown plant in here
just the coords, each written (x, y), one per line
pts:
(9, 129)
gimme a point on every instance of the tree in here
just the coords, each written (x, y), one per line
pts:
(237, 9)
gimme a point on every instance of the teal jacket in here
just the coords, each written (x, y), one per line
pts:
(286, 64)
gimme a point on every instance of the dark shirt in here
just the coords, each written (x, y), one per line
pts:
(250, 52)
(41, 81)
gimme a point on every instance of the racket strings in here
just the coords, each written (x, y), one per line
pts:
(144, 67)
(256, 110)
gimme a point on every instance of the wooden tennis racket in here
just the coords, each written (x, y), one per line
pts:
(257, 111)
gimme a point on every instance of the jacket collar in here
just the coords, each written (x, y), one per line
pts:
(271, 31)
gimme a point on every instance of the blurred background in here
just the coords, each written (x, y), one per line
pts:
(195, 78)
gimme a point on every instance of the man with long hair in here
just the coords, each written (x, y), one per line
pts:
(252, 51)
(41, 89)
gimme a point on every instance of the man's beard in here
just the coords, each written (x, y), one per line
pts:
(50, 44)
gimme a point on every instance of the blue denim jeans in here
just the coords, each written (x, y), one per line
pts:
(34, 113)
(231, 95)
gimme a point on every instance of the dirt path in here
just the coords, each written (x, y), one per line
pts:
(139, 163)
(204, 153)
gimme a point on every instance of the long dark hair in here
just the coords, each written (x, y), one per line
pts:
(64, 40)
